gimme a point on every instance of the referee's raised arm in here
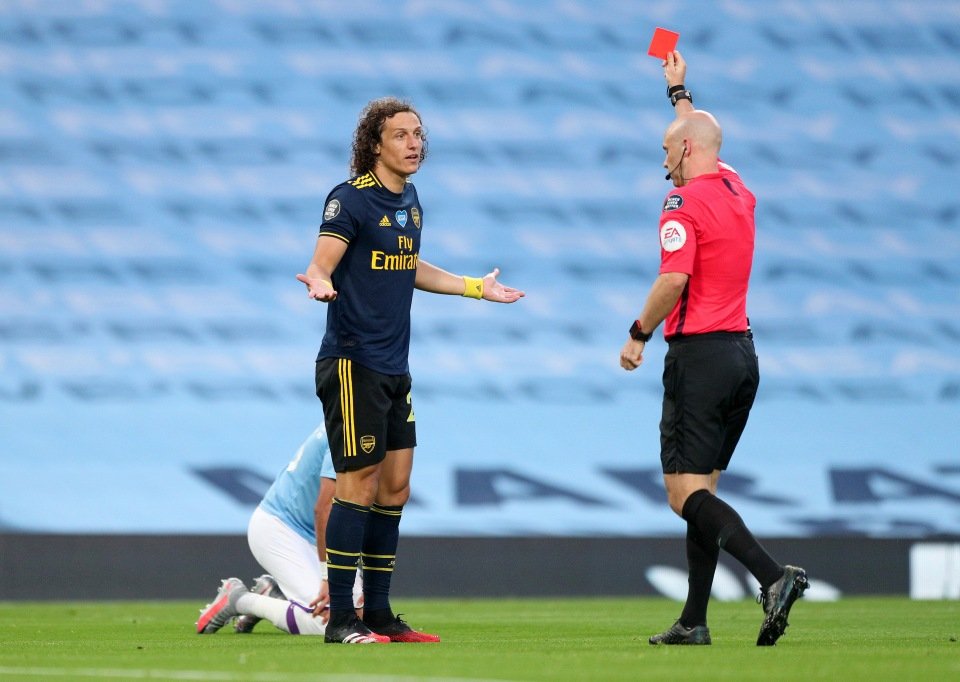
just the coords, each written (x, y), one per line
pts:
(674, 72)
(711, 371)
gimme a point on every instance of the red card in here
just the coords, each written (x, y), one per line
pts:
(663, 41)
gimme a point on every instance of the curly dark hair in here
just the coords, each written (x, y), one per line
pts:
(370, 129)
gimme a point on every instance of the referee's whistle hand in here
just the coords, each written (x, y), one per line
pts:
(631, 356)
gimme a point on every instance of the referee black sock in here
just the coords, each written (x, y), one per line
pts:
(701, 567)
(379, 555)
(718, 522)
(345, 530)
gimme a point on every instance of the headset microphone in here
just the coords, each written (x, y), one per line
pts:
(669, 175)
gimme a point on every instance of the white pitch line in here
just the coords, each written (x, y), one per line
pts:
(213, 676)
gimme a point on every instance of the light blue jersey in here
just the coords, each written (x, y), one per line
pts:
(293, 494)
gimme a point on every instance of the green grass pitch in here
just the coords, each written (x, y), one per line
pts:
(534, 639)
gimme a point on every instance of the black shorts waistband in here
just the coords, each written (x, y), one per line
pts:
(684, 338)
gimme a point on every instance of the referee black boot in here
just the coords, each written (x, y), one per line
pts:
(777, 601)
(677, 634)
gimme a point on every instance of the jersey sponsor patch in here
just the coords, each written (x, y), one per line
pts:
(673, 202)
(332, 210)
(673, 236)
(401, 218)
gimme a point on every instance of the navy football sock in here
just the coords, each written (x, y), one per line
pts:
(345, 530)
(379, 555)
(719, 522)
(701, 567)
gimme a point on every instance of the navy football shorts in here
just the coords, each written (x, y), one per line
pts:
(366, 413)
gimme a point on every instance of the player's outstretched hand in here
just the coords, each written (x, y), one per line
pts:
(321, 605)
(318, 289)
(674, 68)
(498, 293)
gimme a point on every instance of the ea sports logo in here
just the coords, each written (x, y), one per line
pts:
(673, 235)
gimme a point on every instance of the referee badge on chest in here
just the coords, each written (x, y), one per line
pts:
(402, 218)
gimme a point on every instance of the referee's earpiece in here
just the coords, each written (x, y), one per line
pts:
(685, 150)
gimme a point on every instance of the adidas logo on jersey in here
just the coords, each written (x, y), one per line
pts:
(385, 222)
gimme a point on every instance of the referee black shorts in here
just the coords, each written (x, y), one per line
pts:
(709, 384)
(366, 413)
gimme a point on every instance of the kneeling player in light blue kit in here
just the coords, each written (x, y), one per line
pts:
(286, 537)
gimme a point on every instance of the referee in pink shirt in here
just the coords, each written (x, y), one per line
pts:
(710, 374)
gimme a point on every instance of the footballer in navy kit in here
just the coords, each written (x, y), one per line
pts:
(381, 231)
(365, 266)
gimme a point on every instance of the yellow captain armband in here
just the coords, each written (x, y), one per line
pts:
(472, 287)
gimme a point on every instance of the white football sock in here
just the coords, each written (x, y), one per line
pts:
(289, 616)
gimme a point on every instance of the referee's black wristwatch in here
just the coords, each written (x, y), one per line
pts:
(637, 334)
(676, 93)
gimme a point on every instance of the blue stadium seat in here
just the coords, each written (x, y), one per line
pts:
(163, 169)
